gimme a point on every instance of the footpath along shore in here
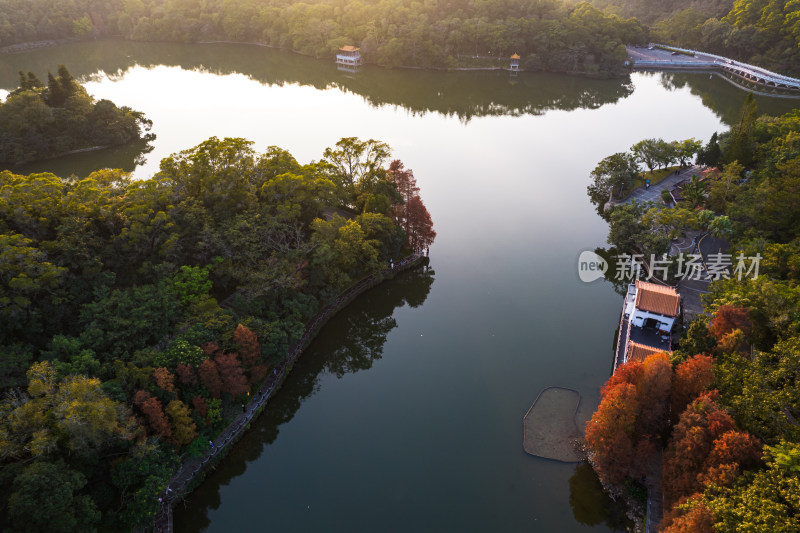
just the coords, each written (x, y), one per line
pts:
(192, 471)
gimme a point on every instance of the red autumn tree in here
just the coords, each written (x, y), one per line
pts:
(209, 377)
(689, 515)
(736, 447)
(403, 179)
(250, 353)
(729, 318)
(199, 404)
(625, 431)
(186, 375)
(653, 392)
(690, 378)
(609, 439)
(153, 412)
(164, 379)
(411, 215)
(419, 226)
(210, 348)
(693, 438)
(249, 348)
(231, 373)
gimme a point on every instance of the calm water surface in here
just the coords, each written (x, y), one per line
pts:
(405, 414)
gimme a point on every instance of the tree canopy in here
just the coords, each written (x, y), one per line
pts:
(138, 314)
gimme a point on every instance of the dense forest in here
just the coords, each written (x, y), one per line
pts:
(547, 33)
(137, 314)
(40, 120)
(725, 408)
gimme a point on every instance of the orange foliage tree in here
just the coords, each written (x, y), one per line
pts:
(250, 353)
(627, 427)
(690, 378)
(199, 404)
(164, 379)
(209, 377)
(153, 412)
(705, 448)
(688, 515)
(234, 382)
(411, 215)
(729, 318)
(186, 375)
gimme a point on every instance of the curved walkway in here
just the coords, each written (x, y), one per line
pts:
(181, 483)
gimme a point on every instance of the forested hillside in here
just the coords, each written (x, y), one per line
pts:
(763, 33)
(548, 34)
(136, 315)
(726, 410)
(40, 120)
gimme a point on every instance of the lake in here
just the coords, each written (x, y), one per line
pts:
(405, 414)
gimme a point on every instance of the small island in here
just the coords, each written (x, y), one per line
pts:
(40, 121)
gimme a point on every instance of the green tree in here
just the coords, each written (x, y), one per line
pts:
(615, 172)
(46, 498)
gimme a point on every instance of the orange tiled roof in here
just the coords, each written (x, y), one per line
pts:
(515, 56)
(657, 298)
(640, 352)
(348, 48)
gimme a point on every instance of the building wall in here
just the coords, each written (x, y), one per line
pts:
(639, 316)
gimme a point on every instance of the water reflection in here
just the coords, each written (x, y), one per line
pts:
(590, 505)
(127, 157)
(721, 96)
(352, 341)
(465, 94)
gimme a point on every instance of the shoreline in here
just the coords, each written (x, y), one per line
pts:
(37, 45)
(192, 472)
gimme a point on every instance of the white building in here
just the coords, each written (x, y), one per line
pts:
(653, 306)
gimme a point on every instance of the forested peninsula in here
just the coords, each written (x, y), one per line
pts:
(138, 315)
(724, 409)
(39, 121)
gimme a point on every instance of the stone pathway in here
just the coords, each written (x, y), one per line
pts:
(653, 194)
(180, 484)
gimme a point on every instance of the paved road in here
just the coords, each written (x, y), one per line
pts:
(657, 54)
(653, 194)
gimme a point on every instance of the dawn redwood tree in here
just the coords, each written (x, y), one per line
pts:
(186, 375)
(209, 377)
(419, 226)
(653, 389)
(728, 318)
(165, 380)
(403, 179)
(200, 406)
(689, 379)
(608, 434)
(627, 427)
(250, 353)
(693, 440)
(688, 515)
(231, 373)
(411, 215)
(154, 413)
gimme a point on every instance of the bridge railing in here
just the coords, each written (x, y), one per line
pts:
(726, 61)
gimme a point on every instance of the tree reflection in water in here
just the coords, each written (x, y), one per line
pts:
(352, 341)
(590, 505)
